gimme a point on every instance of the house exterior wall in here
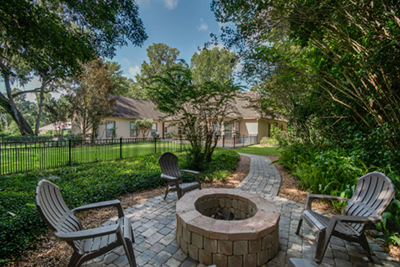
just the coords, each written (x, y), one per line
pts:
(263, 129)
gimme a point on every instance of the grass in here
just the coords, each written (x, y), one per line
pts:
(83, 184)
(41, 156)
(259, 150)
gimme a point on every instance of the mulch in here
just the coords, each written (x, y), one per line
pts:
(49, 251)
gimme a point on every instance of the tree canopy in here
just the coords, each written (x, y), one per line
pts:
(52, 38)
(213, 65)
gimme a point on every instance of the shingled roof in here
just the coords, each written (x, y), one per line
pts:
(133, 108)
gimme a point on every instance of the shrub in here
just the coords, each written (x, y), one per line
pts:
(84, 184)
(269, 141)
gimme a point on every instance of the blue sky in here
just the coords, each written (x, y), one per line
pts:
(182, 24)
(185, 25)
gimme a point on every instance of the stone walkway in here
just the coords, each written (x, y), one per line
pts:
(154, 226)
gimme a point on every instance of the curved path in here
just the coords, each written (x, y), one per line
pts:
(154, 226)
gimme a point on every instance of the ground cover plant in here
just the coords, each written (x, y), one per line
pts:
(334, 170)
(84, 184)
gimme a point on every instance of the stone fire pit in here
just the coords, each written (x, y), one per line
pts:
(250, 240)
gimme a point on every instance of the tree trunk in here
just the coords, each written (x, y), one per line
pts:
(40, 103)
(9, 105)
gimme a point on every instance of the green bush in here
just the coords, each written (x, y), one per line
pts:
(269, 141)
(84, 184)
(324, 169)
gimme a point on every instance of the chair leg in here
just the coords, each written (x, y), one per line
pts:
(179, 192)
(322, 243)
(129, 252)
(299, 226)
(166, 193)
(364, 244)
(75, 260)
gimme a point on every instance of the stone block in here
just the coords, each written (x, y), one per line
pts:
(235, 261)
(240, 205)
(225, 247)
(210, 245)
(228, 203)
(262, 257)
(220, 260)
(266, 242)
(205, 257)
(193, 252)
(197, 240)
(235, 204)
(250, 260)
(186, 235)
(255, 246)
(184, 246)
(240, 247)
(222, 202)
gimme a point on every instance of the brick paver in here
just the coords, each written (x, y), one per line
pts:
(154, 229)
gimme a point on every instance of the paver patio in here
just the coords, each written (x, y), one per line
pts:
(154, 226)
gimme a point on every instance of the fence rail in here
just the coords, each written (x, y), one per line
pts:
(17, 157)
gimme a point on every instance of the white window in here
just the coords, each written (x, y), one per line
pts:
(153, 128)
(228, 129)
(110, 129)
(216, 128)
(133, 129)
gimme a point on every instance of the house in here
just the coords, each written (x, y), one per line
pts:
(58, 128)
(249, 121)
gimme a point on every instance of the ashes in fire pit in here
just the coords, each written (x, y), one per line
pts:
(226, 227)
(228, 216)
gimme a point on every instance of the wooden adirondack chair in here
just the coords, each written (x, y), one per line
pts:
(372, 195)
(172, 174)
(87, 244)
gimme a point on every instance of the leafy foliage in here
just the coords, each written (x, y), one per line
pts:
(144, 127)
(85, 184)
(213, 65)
(90, 100)
(196, 108)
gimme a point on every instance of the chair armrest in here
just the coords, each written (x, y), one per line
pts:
(91, 233)
(197, 174)
(112, 203)
(312, 197)
(357, 219)
(167, 177)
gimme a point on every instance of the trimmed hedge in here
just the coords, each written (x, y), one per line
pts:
(84, 184)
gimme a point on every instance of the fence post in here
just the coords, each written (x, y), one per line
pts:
(234, 141)
(120, 147)
(223, 141)
(70, 150)
(180, 137)
(155, 144)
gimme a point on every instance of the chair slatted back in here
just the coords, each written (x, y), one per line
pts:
(170, 166)
(55, 212)
(373, 194)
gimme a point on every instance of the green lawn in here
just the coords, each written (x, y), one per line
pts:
(41, 156)
(259, 150)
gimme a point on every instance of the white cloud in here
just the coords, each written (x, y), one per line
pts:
(126, 61)
(170, 4)
(134, 70)
(202, 26)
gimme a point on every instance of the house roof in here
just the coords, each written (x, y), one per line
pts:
(133, 108)
(55, 126)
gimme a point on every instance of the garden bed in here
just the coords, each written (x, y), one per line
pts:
(84, 184)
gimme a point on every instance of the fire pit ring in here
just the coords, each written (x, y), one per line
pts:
(252, 239)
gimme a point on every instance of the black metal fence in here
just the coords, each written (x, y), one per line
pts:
(29, 155)
(16, 157)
